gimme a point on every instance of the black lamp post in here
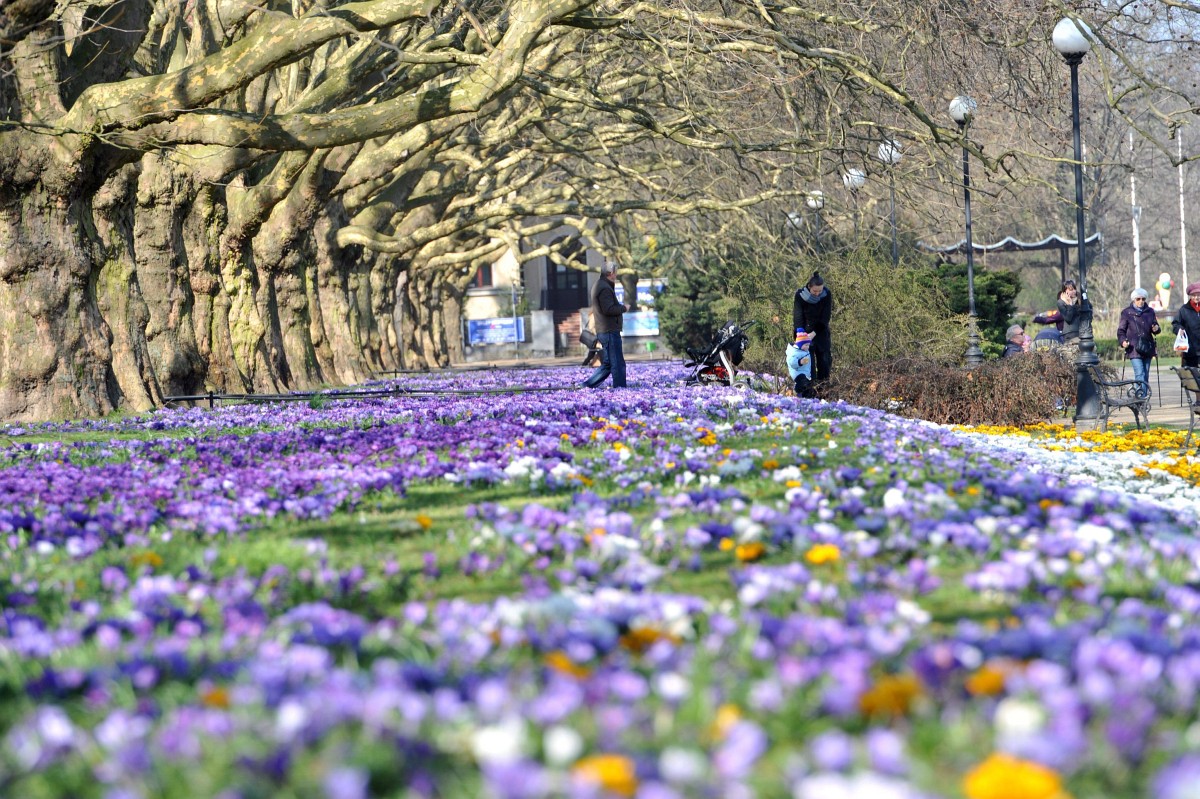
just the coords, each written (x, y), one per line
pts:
(962, 111)
(816, 201)
(1071, 39)
(889, 153)
(853, 180)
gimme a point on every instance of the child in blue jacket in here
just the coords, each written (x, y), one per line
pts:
(799, 363)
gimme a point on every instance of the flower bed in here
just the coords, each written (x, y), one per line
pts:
(653, 592)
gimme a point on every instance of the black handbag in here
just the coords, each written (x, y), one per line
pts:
(1143, 345)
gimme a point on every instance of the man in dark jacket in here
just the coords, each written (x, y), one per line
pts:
(1014, 341)
(608, 314)
(1188, 318)
(811, 308)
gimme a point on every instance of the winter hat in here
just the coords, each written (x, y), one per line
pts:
(802, 337)
(1133, 295)
(1193, 288)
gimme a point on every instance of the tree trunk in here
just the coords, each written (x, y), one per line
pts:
(166, 331)
(333, 292)
(427, 335)
(384, 311)
(55, 356)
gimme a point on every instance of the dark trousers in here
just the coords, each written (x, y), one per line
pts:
(822, 355)
(612, 361)
(803, 387)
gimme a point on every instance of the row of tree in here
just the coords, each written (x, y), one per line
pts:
(239, 196)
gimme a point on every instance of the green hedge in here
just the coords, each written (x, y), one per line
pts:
(1107, 349)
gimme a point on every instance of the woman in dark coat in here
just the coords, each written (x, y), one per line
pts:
(811, 309)
(1072, 309)
(1135, 332)
(1188, 319)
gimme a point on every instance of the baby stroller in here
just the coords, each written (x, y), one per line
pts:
(718, 364)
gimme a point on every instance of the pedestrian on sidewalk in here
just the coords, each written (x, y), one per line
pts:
(608, 314)
(1188, 320)
(1135, 332)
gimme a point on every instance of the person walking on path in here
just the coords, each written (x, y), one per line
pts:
(1136, 331)
(608, 314)
(812, 308)
(1188, 319)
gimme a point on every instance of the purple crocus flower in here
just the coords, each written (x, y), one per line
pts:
(344, 782)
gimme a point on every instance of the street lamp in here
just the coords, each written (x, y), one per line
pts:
(853, 180)
(816, 201)
(890, 154)
(962, 111)
(1072, 39)
(794, 222)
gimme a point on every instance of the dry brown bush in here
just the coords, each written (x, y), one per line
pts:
(1011, 391)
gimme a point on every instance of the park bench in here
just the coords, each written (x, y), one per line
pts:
(1115, 394)
(1189, 381)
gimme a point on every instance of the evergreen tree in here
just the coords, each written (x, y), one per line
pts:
(694, 304)
(995, 296)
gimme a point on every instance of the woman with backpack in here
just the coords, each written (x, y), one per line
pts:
(1136, 332)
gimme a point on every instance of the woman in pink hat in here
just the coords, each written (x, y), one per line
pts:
(1188, 319)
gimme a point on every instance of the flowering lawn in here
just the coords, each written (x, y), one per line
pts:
(461, 590)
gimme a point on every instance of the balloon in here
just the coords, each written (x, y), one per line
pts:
(1162, 297)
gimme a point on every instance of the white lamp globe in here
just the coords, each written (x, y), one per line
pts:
(1072, 37)
(815, 199)
(962, 109)
(854, 179)
(889, 152)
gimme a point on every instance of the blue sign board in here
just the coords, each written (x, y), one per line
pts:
(642, 323)
(504, 330)
(646, 289)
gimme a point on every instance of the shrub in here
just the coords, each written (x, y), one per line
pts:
(1012, 391)
(880, 311)
(694, 303)
(995, 297)
(1107, 349)
(883, 311)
